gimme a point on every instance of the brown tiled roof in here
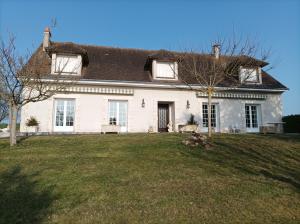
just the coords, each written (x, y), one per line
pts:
(122, 64)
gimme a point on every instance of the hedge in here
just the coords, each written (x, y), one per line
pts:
(292, 123)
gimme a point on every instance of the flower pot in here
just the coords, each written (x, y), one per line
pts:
(188, 128)
(32, 129)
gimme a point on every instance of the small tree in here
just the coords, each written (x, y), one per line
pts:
(219, 69)
(23, 83)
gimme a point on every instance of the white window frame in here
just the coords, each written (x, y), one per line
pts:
(77, 69)
(117, 122)
(217, 117)
(64, 127)
(258, 117)
(244, 70)
(155, 70)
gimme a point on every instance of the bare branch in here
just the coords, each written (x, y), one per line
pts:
(22, 82)
(3, 110)
(233, 65)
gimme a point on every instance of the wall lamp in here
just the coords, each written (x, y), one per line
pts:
(143, 103)
(188, 105)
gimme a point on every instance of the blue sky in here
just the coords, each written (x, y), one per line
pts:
(169, 25)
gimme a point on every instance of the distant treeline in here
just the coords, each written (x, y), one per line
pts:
(3, 125)
(292, 123)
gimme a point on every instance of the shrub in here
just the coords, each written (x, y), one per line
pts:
(292, 123)
(192, 120)
(32, 121)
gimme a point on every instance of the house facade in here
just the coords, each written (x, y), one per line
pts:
(141, 91)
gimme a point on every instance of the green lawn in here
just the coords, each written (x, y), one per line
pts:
(142, 178)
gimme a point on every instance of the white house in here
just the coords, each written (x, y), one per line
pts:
(137, 90)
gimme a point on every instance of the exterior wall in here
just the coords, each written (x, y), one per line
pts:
(92, 110)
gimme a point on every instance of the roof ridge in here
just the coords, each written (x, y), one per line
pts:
(125, 48)
(114, 47)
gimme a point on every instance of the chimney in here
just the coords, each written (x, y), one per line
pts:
(46, 40)
(216, 50)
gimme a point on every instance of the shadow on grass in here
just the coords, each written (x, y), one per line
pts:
(21, 202)
(255, 158)
(20, 139)
(292, 137)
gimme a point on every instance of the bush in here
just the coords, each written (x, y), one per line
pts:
(192, 120)
(32, 121)
(292, 123)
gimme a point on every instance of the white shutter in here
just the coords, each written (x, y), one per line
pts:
(165, 69)
(67, 64)
(249, 75)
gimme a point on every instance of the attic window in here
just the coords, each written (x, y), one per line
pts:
(250, 75)
(66, 64)
(165, 70)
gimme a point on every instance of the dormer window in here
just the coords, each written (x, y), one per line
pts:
(250, 75)
(66, 64)
(165, 70)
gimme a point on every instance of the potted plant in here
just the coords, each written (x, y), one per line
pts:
(32, 124)
(191, 125)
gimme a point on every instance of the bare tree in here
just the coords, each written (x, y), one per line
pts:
(221, 68)
(22, 81)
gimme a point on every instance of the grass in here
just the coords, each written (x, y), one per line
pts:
(141, 178)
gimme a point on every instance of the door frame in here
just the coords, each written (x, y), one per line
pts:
(163, 105)
(217, 114)
(63, 128)
(122, 128)
(258, 118)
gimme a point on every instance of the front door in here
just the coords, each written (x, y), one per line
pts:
(163, 117)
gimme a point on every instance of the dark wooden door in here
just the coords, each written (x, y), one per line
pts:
(163, 117)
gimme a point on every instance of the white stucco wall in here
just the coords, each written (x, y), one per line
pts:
(92, 110)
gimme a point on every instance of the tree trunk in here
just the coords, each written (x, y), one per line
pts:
(13, 111)
(209, 93)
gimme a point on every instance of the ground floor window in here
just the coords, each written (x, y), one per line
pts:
(252, 117)
(118, 114)
(64, 114)
(205, 115)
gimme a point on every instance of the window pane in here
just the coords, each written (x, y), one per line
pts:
(213, 116)
(247, 110)
(254, 116)
(69, 113)
(112, 112)
(59, 119)
(205, 115)
(123, 114)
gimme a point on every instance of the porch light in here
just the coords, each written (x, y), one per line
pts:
(188, 104)
(143, 103)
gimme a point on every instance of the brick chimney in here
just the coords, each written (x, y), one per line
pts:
(216, 48)
(46, 40)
